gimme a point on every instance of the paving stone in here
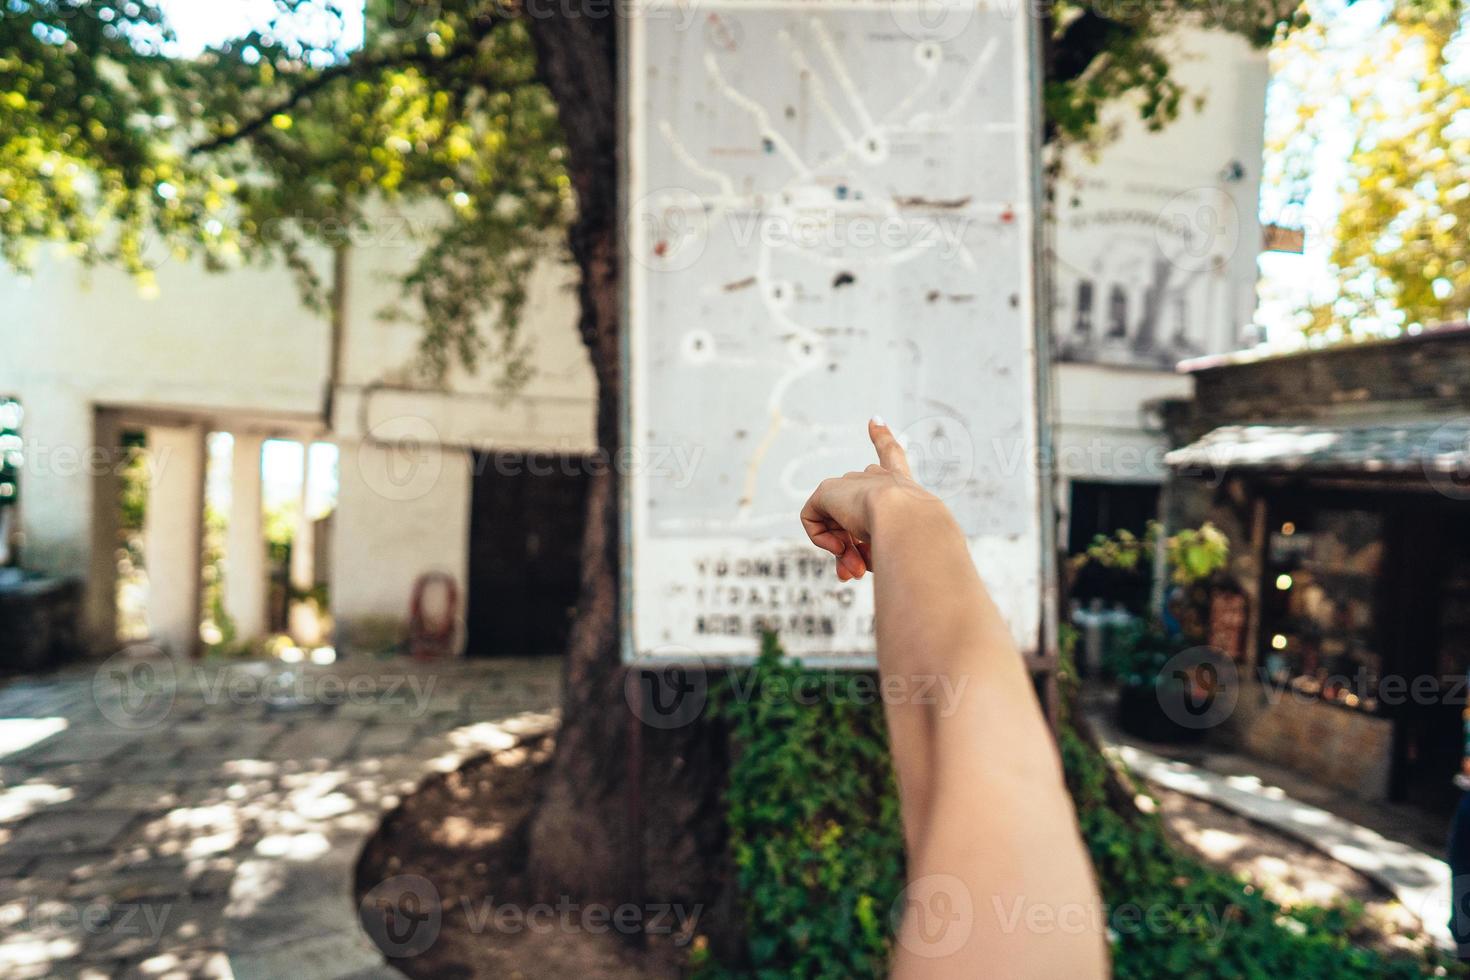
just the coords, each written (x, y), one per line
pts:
(73, 830)
(381, 972)
(328, 957)
(325, 740)
(140, 796)
(87, 745)
(156, 880)
(68, 867)
(240, 818)
(15, 865)
(139, 929)
(383, 739)
(31, 887)
(197, 964)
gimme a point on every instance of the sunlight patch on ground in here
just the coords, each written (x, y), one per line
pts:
(19, 734)
(23, 800)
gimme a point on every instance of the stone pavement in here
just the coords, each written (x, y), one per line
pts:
(1419, 880)
(205, 819)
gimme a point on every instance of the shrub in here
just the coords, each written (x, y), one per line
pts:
(817, 850)
(813, 820)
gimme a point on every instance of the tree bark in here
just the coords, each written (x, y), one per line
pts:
(579, 835)
(575, 836)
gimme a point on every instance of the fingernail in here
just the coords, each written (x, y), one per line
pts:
(878, 420)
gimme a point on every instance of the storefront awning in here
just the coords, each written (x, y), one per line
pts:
(1424, 447)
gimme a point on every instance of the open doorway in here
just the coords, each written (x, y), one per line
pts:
(220, 538)
(525, 554)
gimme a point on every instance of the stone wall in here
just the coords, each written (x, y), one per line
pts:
(1425, 374)
(1350, 750)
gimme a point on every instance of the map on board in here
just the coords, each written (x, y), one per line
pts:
(830, 217)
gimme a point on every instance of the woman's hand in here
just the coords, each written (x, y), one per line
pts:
(839, 515)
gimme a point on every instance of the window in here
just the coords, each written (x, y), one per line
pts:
(1107, 508)
(1323, 577)
(10, 451)
(11, 458)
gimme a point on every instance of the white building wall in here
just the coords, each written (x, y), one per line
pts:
(1157, 237)
(399, 515)
(1105, 428)
(240, 349)
(1166, 221)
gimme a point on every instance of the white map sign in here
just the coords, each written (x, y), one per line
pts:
(830, 216)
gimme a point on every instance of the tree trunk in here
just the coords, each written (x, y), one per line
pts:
(575, 836)
(579, 836)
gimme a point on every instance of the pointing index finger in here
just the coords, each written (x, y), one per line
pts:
(890, 454)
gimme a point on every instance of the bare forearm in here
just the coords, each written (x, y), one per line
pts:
(983, 800)
(989, 825)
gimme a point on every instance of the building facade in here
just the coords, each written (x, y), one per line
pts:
(1342, 477)
(91, 361)
(1154, 244)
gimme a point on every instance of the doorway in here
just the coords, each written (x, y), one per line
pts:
(1433, 603)
(525, 555)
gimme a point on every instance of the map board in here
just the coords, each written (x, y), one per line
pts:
(830, 215)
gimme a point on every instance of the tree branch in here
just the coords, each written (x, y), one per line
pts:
(350, 68)
(1083, 40)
